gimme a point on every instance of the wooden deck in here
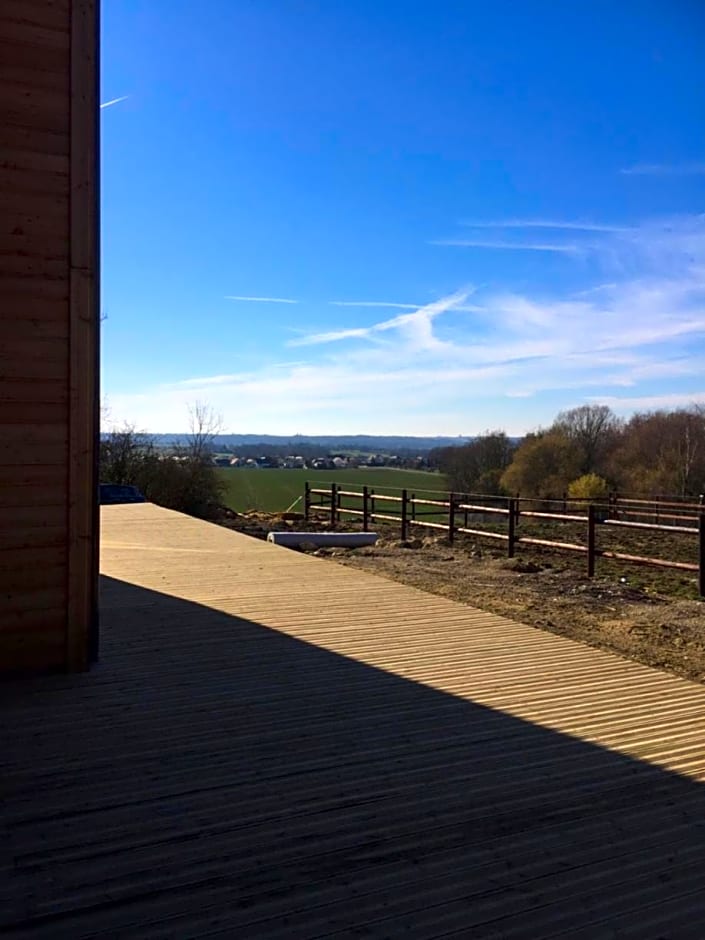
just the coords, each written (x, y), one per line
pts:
(277, 746)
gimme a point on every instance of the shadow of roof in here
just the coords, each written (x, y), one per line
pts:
(214, 777)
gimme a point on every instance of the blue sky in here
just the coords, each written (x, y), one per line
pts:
(447, 216)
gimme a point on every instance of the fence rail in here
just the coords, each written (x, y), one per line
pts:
(406, 509)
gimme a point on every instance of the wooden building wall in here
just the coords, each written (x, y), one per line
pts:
(48, 332)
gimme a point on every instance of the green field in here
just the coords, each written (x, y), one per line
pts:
(276, 490)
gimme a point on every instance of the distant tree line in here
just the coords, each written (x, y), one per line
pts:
(586, 451)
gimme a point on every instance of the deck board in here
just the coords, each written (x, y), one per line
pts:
(277, 746)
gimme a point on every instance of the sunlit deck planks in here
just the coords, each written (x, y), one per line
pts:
(274, 745)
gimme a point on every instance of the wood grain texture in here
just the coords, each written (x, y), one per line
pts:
(32, 77)
(37, 538)
(29, 106)
(40, 32)
(47, 14)
(84, 324)
(43, 435)
(36, 646)
(15, 604)
(36, 560)
(28, 323)
(36, 140)
(19, 54)
(36, 179)
(23, 350)
(53, 207)
(35, 118)
(23, 412)
(275, 746)
(34, 576)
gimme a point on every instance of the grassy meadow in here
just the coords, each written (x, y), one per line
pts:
(276, 490)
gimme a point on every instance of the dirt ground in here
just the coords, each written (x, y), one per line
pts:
(619, 609)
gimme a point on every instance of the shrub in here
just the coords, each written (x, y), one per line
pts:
(589, 486)
(183, 481)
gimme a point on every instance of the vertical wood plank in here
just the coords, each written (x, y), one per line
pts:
(83, 337)
(333, 504)
(451, 516)
(701, 552)
(511, 526)
(591, 541)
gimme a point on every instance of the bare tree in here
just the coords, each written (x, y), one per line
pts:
(105, 412)
(593, 429)
(663, 452)
(123, 454)
(476, 467)
(205, 424)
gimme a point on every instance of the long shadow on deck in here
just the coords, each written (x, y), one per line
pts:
(212, 777)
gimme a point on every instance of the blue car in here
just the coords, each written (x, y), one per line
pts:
(112, 493)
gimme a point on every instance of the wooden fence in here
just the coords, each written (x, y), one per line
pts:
(453, 513)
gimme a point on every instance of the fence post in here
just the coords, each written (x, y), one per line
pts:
(451, 516)
(404, 519)
(333, 503)
(372, 506)
(307, 501)
(591, 541)
(517, 500)
(701, 550)
(511, 527)
(413, 506)
(365, 509)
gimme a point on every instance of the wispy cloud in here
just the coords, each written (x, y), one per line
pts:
(109, 104)
(547, 224)
(560, 247)
(465, 308)
(417, 326)
(261, 300)
(650, 402)
(633, 340)
(333, 336)
(665, 169)
(372, 303)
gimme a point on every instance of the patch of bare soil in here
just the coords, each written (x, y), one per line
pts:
(259, 524)
(615, 610)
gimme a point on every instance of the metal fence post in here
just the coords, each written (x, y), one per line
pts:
(333, 503)
(404, 518)
(365, 509)
(451, 516)
(307, 501)
(591, 541)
